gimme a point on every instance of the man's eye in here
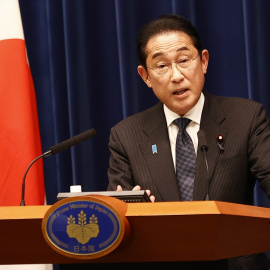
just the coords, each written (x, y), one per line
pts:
(183, 61)
(161, 66)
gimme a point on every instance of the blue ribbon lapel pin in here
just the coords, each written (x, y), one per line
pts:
(154, 149)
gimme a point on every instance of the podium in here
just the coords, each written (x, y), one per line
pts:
(160, 232)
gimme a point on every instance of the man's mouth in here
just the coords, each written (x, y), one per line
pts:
(180, 92)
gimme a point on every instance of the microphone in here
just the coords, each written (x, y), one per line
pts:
(57, 149)
(204, 148)
(220, 140)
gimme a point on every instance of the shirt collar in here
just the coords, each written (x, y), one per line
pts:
(194, 114)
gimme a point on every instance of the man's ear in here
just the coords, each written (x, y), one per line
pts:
(205, 60)
(144, 75)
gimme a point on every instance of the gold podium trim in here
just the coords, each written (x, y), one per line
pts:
(110, 210)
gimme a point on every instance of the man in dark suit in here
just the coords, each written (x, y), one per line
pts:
(143, 146)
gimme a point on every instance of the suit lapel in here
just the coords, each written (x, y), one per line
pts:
(212, 123)
(160, 163)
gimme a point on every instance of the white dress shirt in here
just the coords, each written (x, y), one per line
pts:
(194, 115)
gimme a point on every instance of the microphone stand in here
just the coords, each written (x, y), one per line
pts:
(207, 197)
(57, 149)
(48, 153)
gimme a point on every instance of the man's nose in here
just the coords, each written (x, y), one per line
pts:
(176, 73)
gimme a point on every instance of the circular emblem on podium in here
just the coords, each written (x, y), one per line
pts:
(83, 227)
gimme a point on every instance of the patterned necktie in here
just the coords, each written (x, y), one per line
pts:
(185, 160)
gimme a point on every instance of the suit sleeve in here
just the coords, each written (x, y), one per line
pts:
(119, 172)
(259, 149)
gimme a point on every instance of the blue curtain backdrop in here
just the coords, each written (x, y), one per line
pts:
(83, 59)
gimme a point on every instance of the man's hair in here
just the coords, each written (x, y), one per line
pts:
(165, 24)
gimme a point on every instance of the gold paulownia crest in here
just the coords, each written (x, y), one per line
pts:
(82, 231)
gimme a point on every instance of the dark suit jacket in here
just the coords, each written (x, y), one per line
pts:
(245, 155)
(242, 157)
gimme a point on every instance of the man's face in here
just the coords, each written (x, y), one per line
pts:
(178, 89)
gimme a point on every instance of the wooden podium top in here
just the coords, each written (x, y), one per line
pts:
(151, 209)
(161, 231)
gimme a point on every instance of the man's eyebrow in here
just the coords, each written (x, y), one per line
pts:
(155, 55)
(184, 48)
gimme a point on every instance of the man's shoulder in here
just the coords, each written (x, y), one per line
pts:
(229, 103)
(141, 118)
